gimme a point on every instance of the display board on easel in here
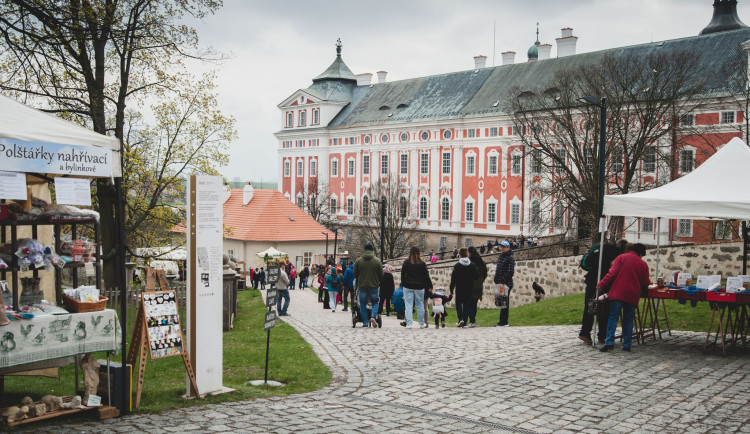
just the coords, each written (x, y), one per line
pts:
(157, 330)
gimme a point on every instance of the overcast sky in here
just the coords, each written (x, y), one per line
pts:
(278, 47)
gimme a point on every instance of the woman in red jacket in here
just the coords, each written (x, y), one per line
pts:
(628, 276)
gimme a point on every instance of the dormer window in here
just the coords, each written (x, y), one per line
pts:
(289, 119)
(302, 118)
(384, 107)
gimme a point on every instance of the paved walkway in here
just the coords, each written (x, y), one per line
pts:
(508, 379)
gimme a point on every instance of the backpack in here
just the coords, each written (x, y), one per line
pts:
(587, 260)
(334, 283)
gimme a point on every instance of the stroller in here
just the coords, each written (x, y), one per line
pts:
(357, 316)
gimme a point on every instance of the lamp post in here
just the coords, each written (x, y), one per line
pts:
(335, 240)
(382, 202)
(326, 234)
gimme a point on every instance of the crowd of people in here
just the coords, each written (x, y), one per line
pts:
(618, 277)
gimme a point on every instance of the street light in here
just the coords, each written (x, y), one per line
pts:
(602, 161)
(382, 202)
(335, 240)
(326, 234)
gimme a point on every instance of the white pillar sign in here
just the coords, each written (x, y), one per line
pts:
(205, 296)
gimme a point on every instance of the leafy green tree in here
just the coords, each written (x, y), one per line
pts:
(88, 60)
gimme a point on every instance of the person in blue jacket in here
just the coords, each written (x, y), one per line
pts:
(348, 285)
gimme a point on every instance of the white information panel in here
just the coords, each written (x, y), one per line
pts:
(13, 185)
(73, 191)
(205, 300)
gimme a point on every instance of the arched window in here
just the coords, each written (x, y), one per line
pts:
(289, 119)
(316, 117)
(365, 206)
(302, 118)
(423, 207)
(402, 207)
(445, 209)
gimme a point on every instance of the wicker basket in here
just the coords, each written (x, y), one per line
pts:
(84, 306)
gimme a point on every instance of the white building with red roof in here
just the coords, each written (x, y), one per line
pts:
(255, 220)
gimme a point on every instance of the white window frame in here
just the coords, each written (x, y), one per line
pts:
(287, 168)
(446, 163)
(424, 204)
(684, 228)
(300, 168)
(471, 164)
(682, 161)
(493, 132)
(289, 119)
(687, 120)
(649, 166)
(492, 211)
(493, 158)
(316, 116)
(307, 259)
(559, 217)
(515, 213)
(365, 205)
(403, 207)
(300, 201)
(404, 163)
(536, 161)
(384, 164)
(727, 117)
(562, 154)
(535, 212)
(334, 168)
(447, 134)
(302, 118)
(313, 167)
(366, 164)
(350, 206)
(515, 169)
(647, 224)
(723, 230)
(469, 208)
(350, 169)
(424, 163)
(333, 204)
(445, 214)
(471, 133)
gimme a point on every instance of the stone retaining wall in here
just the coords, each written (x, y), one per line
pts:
(562, 275)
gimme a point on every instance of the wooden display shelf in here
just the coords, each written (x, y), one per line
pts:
(103, 412)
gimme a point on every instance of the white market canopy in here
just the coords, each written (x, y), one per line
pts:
(272, 253)
(718, 188)
(34, 141)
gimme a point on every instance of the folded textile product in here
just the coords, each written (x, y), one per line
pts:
(69, 211)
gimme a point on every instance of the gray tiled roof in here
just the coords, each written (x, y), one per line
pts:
(471, 94)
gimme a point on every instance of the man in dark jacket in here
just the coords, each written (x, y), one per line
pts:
(348, 285)
(506, 266)
(592, 263)
(303, 276)
(368, 270)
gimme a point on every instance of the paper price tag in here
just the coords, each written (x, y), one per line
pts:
(94, 401)
(88, 269)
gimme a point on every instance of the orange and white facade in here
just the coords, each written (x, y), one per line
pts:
(456, 153)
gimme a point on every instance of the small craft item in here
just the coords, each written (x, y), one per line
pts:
(90, 368)
(14, 414)
(53, 403)
(3, 317)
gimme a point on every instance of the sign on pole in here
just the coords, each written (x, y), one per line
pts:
(273, 274)
(271, 297)
(270, 320)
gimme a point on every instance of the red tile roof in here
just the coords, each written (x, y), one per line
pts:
(266, 218)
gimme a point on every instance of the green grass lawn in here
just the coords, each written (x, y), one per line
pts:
(568, 310)
(291, 361)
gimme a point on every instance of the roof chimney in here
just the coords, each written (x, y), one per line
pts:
(381, 76)
(509, 57)
(480, 61)
(247, 194)
(544, 51)
(364, 79)
(725, 18)
(566, 44)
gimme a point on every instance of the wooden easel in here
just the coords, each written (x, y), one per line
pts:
(139, 343)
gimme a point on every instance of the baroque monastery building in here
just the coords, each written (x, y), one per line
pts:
(451, 144)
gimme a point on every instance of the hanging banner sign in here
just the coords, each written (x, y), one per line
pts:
(41, 157)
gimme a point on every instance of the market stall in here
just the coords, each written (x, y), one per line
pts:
(717, 189)
(39, 149)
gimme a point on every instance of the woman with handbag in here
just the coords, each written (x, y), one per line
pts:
(626, 278)
(415, 278)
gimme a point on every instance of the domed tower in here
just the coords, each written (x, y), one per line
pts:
(533, 53)
(725, 18)
(337, 82)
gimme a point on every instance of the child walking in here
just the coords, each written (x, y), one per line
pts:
(439, 299)
(333, 283)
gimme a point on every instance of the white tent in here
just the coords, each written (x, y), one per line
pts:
(21, 122)
(272, 253)
(718, 188)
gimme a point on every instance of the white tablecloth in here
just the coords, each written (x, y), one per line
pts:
(55, 336)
